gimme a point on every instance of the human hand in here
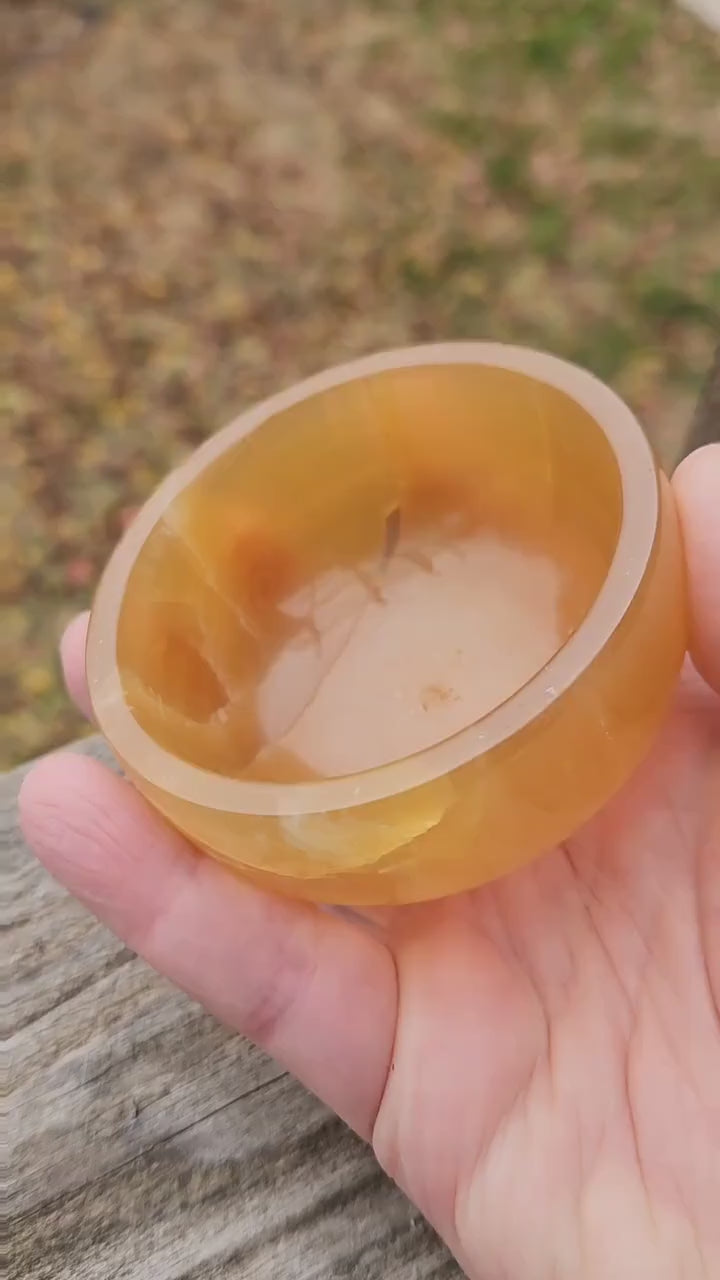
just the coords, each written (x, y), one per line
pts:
(537, 1063)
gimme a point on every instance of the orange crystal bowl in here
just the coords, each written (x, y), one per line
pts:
(400, 628)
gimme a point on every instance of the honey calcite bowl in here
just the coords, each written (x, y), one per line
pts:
(400, 628)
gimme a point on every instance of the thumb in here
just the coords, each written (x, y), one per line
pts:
(697, 489)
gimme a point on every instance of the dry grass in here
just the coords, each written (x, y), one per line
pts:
(209, 198)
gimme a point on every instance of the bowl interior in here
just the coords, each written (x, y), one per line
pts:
(368, 572)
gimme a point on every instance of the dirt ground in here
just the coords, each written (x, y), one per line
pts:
(211, 198)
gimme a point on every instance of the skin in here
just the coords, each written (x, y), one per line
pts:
(537, 1063)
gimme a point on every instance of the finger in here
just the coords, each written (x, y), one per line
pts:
(72, 657)
(315, 992)
(697, 488)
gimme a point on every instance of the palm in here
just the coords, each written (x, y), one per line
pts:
(537, 1062)
(557, 1054)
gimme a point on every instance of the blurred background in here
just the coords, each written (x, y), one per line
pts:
(208, 199)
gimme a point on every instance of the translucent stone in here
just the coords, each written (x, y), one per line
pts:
(399, 629)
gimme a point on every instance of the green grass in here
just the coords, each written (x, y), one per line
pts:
(210, 198)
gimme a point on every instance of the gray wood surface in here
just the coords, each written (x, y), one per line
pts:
(146, 1142)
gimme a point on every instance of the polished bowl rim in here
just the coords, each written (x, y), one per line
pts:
(640, 515)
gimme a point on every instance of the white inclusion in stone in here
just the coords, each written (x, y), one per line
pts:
(383, 678)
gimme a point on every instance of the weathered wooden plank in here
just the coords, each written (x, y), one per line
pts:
(115, 1084)
(146, 1142)
(231, 1196)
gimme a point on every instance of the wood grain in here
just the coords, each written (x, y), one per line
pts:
(146, 1142)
